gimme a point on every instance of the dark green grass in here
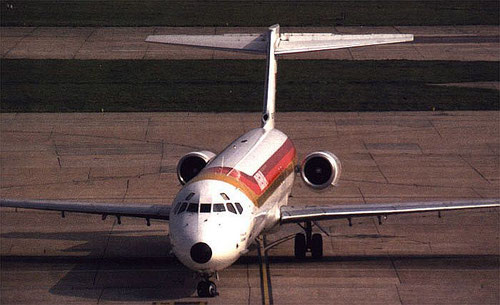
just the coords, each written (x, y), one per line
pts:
(237, 85)
(246, 13)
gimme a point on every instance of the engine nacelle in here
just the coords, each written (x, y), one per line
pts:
(191, 164)
(320, 169)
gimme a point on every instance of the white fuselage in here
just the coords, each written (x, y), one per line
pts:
(236, 197)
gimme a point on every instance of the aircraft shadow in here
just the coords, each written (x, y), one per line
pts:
(415, 261)
(124, 275)
(129, 275)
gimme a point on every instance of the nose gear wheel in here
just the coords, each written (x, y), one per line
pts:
(207, 289)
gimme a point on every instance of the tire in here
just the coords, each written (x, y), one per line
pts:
(207, 289)
(317, 246)
(300, 246)
(212, 290)
(202, 289)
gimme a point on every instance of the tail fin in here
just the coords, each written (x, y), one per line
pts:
(273, 43)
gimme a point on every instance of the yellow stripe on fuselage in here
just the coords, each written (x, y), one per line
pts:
(228, 179)
(257, 200)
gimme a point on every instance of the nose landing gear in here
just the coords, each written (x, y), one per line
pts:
(206, 288)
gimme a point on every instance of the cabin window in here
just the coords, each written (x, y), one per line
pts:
(224, 196)
(219, 207)
(205, 208)
(230, 207)
(239, 207)
(193, 208)
(189, 196)
(182, 208)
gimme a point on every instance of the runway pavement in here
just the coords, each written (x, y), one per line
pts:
(131, 157)
(471, 43)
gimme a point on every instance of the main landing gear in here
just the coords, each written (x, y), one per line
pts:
(308, 243)
(206, 288)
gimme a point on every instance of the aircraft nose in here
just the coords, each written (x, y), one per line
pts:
(201, 253)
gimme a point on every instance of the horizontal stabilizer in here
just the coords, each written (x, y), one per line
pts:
(307, 42)
(285, 43)
(232, 42)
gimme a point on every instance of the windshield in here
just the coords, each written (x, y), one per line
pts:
(207, 207)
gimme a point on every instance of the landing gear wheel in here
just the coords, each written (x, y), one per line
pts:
(212, 289)
(317, 246)
(300, 246)
(202, 289)
(207, 289)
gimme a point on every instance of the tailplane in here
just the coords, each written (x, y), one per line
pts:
(275, 43)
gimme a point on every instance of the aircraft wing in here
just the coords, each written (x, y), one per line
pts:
(146, 211)
(291, 214)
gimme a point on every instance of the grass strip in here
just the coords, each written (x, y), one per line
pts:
(247, 13)
(237, 85)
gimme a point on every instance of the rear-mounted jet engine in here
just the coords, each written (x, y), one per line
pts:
(191, 164)
(320, 169)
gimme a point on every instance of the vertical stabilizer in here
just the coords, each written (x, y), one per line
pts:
(270, 88)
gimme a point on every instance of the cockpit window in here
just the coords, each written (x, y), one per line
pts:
(193, 208)
(230, 207)
(238, 207)
(177, 206)
(182, 208)
(205, 208)
(189, 196)
(219, 207)
(223, 195)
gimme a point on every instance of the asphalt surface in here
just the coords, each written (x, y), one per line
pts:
(471, 43)
(131, 157)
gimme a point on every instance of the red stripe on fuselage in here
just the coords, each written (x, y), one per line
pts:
(278, 161)
(271, 169)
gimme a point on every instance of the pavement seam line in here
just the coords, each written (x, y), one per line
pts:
(126, 191)
(399, 295)
(373, 159)
(475, 169)
(20, 40)
(406, 184)
(147, 130)
(155, 30)
(435, 128)
(415, 47)
(101, 258)
(161, 157)
(86, 180)
(83, 43)
(100, 295)
(248, 284)
(350, 53)
(336, 127)
(362, 195)
(395, 270)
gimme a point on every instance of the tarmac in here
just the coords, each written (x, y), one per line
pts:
(131, 157)
(471, 43)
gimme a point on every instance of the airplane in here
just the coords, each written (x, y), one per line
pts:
(228, 200)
